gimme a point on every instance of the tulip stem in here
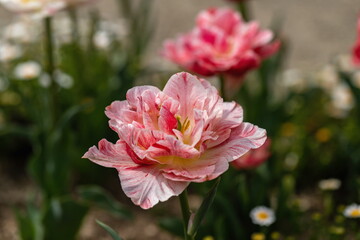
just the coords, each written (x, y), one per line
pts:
(186, 213)
(244, 10)
(222, 87)
(50, 64)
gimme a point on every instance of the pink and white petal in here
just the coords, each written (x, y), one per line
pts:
(204, 169)
(268, 50)
(133, 95)
(146, 185)
(188, 91)
(108, 154)
(170, 150)
(167, 121)
(120, 111)
(263, 37)
(232, 115)
(243, 138)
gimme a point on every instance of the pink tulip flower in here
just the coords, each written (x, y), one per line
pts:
(37, 8)
(169, 138)
(254, 157)
(221, 43)
(356, 48)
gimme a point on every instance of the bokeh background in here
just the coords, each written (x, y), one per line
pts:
(315, 31)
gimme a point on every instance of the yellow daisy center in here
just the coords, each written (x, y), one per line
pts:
(262, 215)
(355, 213)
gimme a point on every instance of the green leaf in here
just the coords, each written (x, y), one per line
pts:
(29, 223)
(99, 197)
(111, 231)
(172, 225)
(205, 205)
(63, 218)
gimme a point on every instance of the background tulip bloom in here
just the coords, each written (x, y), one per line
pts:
(169, 138)
(253, 158)
(221, 42)
(40, 8)
(356, 48)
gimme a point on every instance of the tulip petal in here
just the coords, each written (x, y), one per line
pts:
(108, 154)
(146, 185)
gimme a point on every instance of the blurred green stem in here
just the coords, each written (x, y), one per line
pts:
(77, 53)
(186, 213)
(244, 10)
(222, 86)
(50, 65)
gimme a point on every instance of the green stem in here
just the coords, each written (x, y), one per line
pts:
(50, 66)
(222, 87)
(244, 10)
(186, 213)
(77, 53)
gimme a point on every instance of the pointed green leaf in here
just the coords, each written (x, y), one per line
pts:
(63, 218)
(205, 205)
(99, 197)
(172, 225)
(111, 231)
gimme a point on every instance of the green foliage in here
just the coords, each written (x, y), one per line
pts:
(97, 196)
(109, 230)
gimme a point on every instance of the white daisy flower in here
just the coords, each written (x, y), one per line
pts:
(24, 31)
(342, 98)
(329, 184)
(352, 211)
(9, 52)
(44, 80)
(27, 70)
(102, 39)
(63, 80)
(262, 216)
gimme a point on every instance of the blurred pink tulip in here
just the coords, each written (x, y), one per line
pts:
(356, 48)
(221, 43)
(38, 8)
(169, 138)
(253, 158)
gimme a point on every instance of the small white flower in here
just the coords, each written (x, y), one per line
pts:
(63, 80)
(262, 216)
(328, 78)
(329, 184)
(342, 97)
(102, 39)
(9, 52)
(117, 27)
(44, 80)
(27, 70)
(294, 80)
(23, 31)
(352, 211)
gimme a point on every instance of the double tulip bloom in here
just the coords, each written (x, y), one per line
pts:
(169, 138)
(221, 43)
(356, 49)
(38, 8)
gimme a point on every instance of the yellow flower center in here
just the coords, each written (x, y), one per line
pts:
(323, 135)
(355, 213)
(262, 215)
(257, 236)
